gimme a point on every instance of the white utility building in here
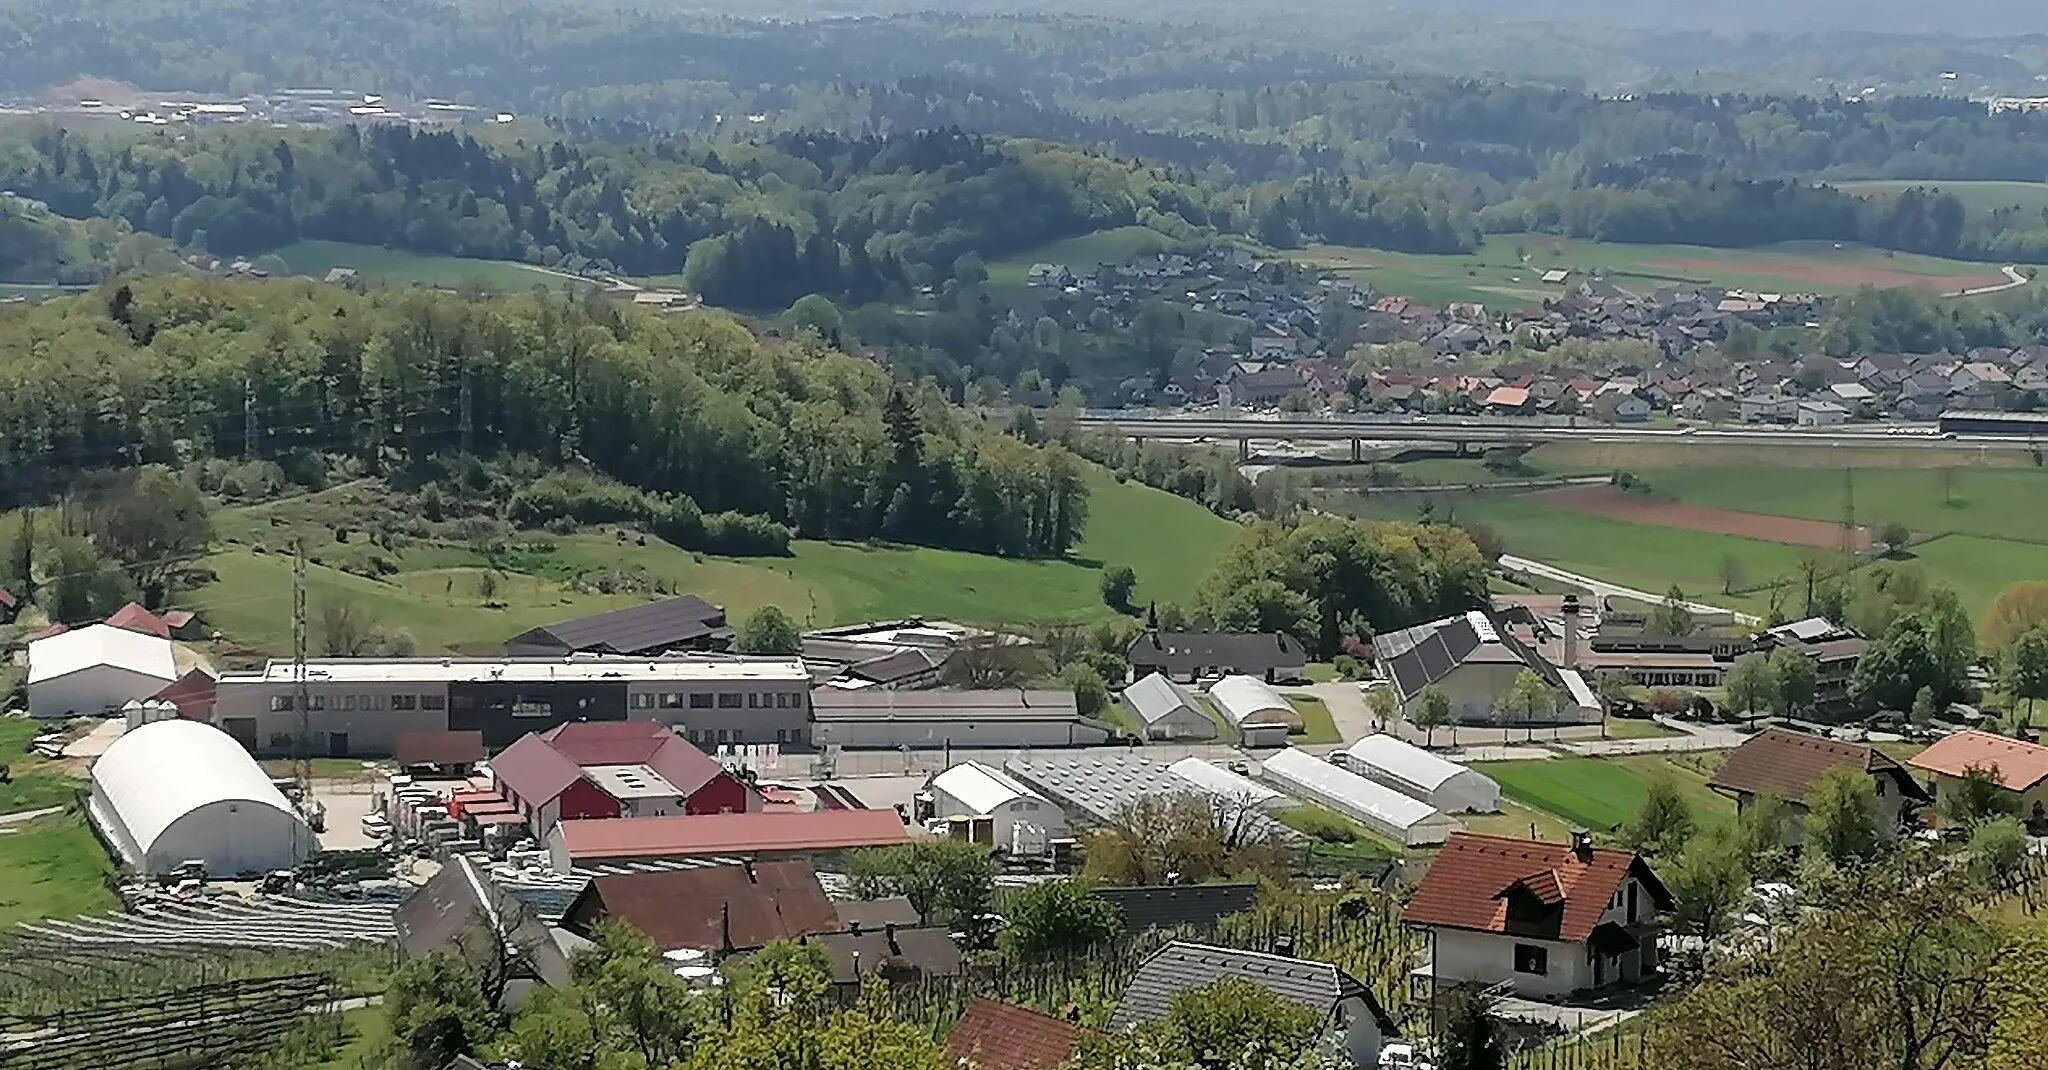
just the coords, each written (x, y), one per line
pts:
(1388, 812)
(95, 671)
(1247, 700)
(175, 791)
(1166, 711)
(1221, 783)
(1420, 775)
(1024, 820)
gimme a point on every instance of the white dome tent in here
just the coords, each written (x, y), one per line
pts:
(1388, 812)
(1418, 774)
(175, 791)
(1248, 700)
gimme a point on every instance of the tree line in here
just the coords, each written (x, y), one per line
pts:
(690, 409)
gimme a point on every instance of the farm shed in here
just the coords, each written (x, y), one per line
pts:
(1420, 775)
(1222, 783)
(1005, 718)
(176, 791)
(1247, 700)
(1103, 786)
(1023, 818)
(1380, 808)
(1166, 711)
(88, 672)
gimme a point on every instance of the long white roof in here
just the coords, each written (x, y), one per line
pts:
(1405, 761)
(1389, 808)
(982, 789)
(1222, 783)
(529, 670)
(159, 772)
(100, 644)
(1242, 698)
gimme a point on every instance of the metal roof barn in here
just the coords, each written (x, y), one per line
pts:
(176, 791)
(1420, 775)
(1380, 808)
(1166, 711)
(1104, 786)
(1248, 700)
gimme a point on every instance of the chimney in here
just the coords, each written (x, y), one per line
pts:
(889, 931)
(1283, 945)
(853, 927)
(1571, 631)
(725, 927)
(1582, 845)
(749, 864)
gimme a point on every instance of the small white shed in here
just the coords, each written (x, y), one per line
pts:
(1420, 775)
(1247, 700)
(1165, 711)
(95, 671)
(1388, 812)
(1024, 820)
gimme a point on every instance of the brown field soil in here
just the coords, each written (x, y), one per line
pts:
(1616, 504)
(1572, 457)
(1835, 276)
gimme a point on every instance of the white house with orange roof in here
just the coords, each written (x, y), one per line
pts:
(2021, 768)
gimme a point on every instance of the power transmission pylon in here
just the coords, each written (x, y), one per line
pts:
(302, 740)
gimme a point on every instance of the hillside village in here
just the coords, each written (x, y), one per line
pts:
(1472, 359)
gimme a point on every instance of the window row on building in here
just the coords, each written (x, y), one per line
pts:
(723, 700)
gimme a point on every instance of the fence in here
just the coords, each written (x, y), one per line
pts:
(232, 1023)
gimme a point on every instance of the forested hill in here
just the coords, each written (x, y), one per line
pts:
(735, 444)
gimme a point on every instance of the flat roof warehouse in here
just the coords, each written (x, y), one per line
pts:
(524, 670)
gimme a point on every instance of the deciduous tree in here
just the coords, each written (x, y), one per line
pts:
(768, 630)
(1842, 818)
(1432, 711)
(1793, 681)
(1661, 827)
(1977, 797)
(1673, 616)
(1119, 582)
(1058, 917)
(2019, 609)
(1751, 684)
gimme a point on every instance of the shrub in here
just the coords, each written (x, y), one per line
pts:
(745, 535)
(1346, 666)
(582, 497)
(1323, 825)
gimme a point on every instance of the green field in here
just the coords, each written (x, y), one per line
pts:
(1497, 273)
(1601, 793)
(1317, 725)
(317, 258)
(1983, 196)
(51, 866)
(2006, 502)
(436, 593)
(1115, 246)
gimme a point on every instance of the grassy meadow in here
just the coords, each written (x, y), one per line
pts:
(51, 866)
(437, 591)
(1601, 793)
(317, 258)
(1497, 274)
(1114, 246)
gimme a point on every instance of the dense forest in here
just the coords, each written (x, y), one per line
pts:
(688, 408)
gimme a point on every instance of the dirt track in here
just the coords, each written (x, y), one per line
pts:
(1638, 509)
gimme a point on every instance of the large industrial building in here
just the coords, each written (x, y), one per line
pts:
(357, 707)
(1007, 718)
(176, 791)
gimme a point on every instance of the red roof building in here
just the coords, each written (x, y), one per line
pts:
(714, 908)
(2021, 768)
(997, 1036)
(770, 834)
(614, 769)
(8, 607)
(137, 619)
(1549, 918)
(192, 693)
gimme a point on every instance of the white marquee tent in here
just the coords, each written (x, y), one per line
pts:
(91, 672)
(175, 791)
(1416, 773)
(1022, 817)
(1380, 808)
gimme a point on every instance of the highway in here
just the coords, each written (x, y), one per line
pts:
(1246, 429)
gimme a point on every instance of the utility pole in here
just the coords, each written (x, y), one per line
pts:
(465, 409)
(1849, 548)
(302, 740)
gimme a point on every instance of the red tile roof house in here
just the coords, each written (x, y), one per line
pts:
(137, 619)
(1550, 919)
(613, 769)
(719, 909)
(2022, 769)
(768, 835)
(998, 1036)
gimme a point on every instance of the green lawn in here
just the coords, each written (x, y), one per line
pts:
(1984, 196)
(1317, 726)
(1980, 568)
(363, 1034)
(1115, 246)
(1631, 728)
(52, 867)
(437, 592)
(1496, 273)
(1600, 793)
(1336, 839)
(2008, 502)
(317, 258)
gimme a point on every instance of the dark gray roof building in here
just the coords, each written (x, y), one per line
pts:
(1169, 905)
(1270, 656)
(1180, 966)
(684, 623)
(462, 911)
